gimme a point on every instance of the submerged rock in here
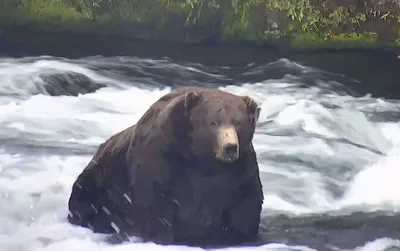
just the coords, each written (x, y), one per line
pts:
(68, 83)
(325, 232)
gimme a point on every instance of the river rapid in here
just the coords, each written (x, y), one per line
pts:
(329, 157)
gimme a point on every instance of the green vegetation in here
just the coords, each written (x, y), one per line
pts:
(299, 23)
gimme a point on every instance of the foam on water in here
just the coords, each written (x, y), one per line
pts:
(22, 77)
(377, 185)
(318, 151)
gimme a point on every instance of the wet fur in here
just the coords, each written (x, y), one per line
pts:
(155, 184)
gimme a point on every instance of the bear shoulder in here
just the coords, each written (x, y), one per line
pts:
(109, 156)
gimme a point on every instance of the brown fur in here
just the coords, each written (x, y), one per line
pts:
(161, 180)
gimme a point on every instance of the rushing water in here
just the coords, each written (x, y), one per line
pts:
(322, 149)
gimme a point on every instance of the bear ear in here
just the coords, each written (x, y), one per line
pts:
(252, 107)
(191, 99)
(173, 116)
(178, 110)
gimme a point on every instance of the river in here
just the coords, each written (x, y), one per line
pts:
(324, 151)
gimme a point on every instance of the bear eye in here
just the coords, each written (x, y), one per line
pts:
(236, 123)
(214, 123)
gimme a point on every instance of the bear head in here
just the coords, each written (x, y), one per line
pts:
(211, 123)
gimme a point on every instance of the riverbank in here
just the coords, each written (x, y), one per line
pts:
(299, 25)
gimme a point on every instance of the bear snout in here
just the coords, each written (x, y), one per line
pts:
(227, 148)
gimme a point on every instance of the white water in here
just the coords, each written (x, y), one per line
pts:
(306, 164)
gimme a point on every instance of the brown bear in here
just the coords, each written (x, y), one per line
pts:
(186, 173)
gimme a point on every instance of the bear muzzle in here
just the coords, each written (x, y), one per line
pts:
(227, 147)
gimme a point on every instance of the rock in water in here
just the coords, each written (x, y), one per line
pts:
(68, 83)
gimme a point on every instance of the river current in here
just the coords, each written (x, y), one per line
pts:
(323, 150)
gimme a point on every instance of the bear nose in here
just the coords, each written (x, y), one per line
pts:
(231, 148)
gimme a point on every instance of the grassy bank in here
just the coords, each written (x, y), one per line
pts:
(300, 24)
